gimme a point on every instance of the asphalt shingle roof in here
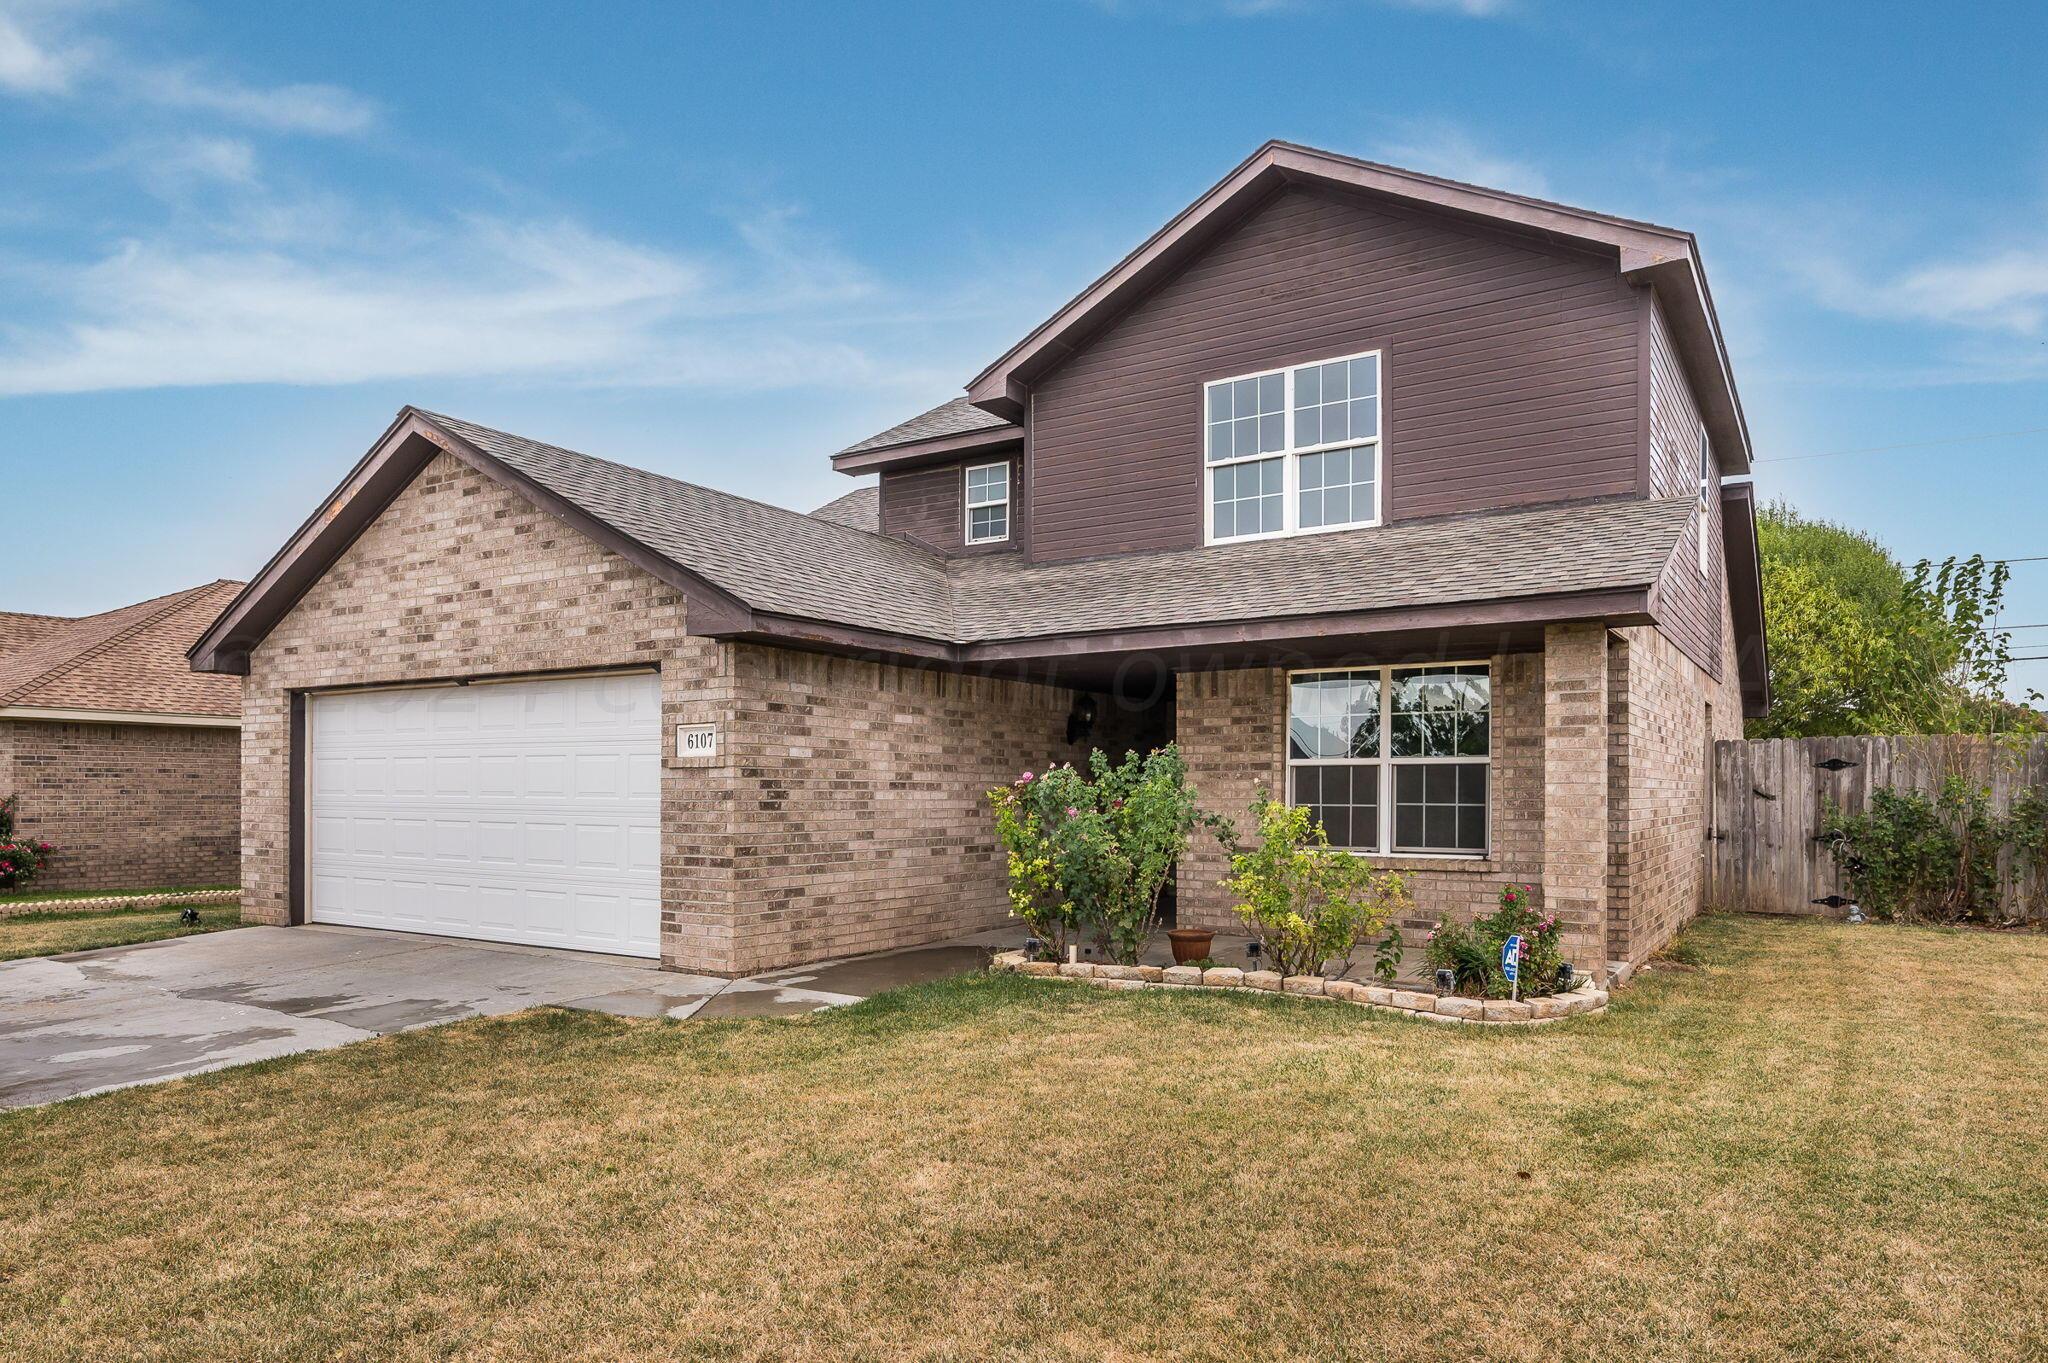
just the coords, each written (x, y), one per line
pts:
(860, 509)
(814, 568)
(958, 417)
(130, 660)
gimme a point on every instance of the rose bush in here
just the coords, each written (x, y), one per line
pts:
(21, 859)
(1473, 955)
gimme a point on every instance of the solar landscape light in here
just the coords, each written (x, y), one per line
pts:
(1445, 982)
(1564, 976)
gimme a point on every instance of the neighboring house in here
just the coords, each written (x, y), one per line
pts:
(124, 759)
(1401, 496)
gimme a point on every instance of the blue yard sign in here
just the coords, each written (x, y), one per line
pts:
(1511, 963)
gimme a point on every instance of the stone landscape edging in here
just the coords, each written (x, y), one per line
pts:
(12, 907)
(1583, 1001)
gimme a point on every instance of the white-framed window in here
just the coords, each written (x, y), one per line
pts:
(987, 489)
(1394, 759)
(1707, 483)
(1292, 451)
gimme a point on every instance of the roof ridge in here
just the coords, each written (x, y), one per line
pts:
(680, 482)
(170, 603)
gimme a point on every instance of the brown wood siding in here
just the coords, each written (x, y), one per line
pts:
(1510, 371)
(1693, 602)
(925, 505)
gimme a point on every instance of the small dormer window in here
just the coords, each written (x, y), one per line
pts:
(988, 503)
(1294, 450)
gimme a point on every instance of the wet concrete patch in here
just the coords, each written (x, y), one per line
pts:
(139, 1014)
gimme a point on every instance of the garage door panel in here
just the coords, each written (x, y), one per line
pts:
(523, 812)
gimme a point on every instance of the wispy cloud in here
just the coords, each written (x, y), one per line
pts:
(1444, 148)
(32, 62)
(327, 110)
(44, 54)
(2002, 288)
(470, 297)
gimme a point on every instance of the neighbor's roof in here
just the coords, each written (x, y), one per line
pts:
(129, 661)
(860, 509)
(750, 569)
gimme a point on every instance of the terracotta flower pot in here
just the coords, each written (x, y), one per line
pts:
(1190, 944)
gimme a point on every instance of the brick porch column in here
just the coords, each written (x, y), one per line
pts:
(1575, 828)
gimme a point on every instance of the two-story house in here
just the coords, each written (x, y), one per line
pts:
(1402, 497)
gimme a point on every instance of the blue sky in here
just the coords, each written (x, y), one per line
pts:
(722, 241)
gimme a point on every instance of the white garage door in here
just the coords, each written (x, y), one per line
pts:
(512, 811)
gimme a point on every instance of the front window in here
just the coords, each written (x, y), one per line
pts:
(1394, 758)
(988, 503)
(1293, 450)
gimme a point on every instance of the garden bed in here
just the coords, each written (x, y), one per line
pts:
(107, 903)
(1584, 1000)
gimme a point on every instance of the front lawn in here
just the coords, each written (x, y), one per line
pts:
(50, 934)
(1825, 1144)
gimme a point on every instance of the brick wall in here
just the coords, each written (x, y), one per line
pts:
(842, 815)
(858, 800)
(461, 576)
(127, 805)
(1232, 727)
(1660, 707)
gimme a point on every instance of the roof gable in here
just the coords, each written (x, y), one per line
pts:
(1661, 257)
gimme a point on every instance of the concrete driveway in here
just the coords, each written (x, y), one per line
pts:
(98, 1020)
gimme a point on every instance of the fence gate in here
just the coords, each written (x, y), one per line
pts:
(1772, 794)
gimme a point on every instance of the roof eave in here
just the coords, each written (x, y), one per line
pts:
(1745, 597)
(406, 447)
(935, 450)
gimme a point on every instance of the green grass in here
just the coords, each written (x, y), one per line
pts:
(52, 934)
(31, 893)
(1818, 1143)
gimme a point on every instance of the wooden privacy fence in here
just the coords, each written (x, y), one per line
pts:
(1771, 795)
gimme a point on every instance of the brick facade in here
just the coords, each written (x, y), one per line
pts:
(1232, 727)
(859, 818)
(843, 814)
(1600, 752)
(126, 805)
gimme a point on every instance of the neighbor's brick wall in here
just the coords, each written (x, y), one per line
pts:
(1232, 728)
(126, 805)
(858, 800)
(461, 576)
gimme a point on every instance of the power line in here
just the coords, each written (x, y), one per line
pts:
(1908, 445)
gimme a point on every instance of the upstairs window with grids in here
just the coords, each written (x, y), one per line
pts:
(1293, 450)
(988, 503)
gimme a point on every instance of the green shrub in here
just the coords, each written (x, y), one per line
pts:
(21, 859)
(1304, 901)
(1918, 858)
(1094, 851)
(1472, 955)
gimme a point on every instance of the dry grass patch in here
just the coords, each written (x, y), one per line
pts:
(53, 934)
(999, 1168)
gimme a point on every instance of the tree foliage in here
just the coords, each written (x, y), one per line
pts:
(1859, 644)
